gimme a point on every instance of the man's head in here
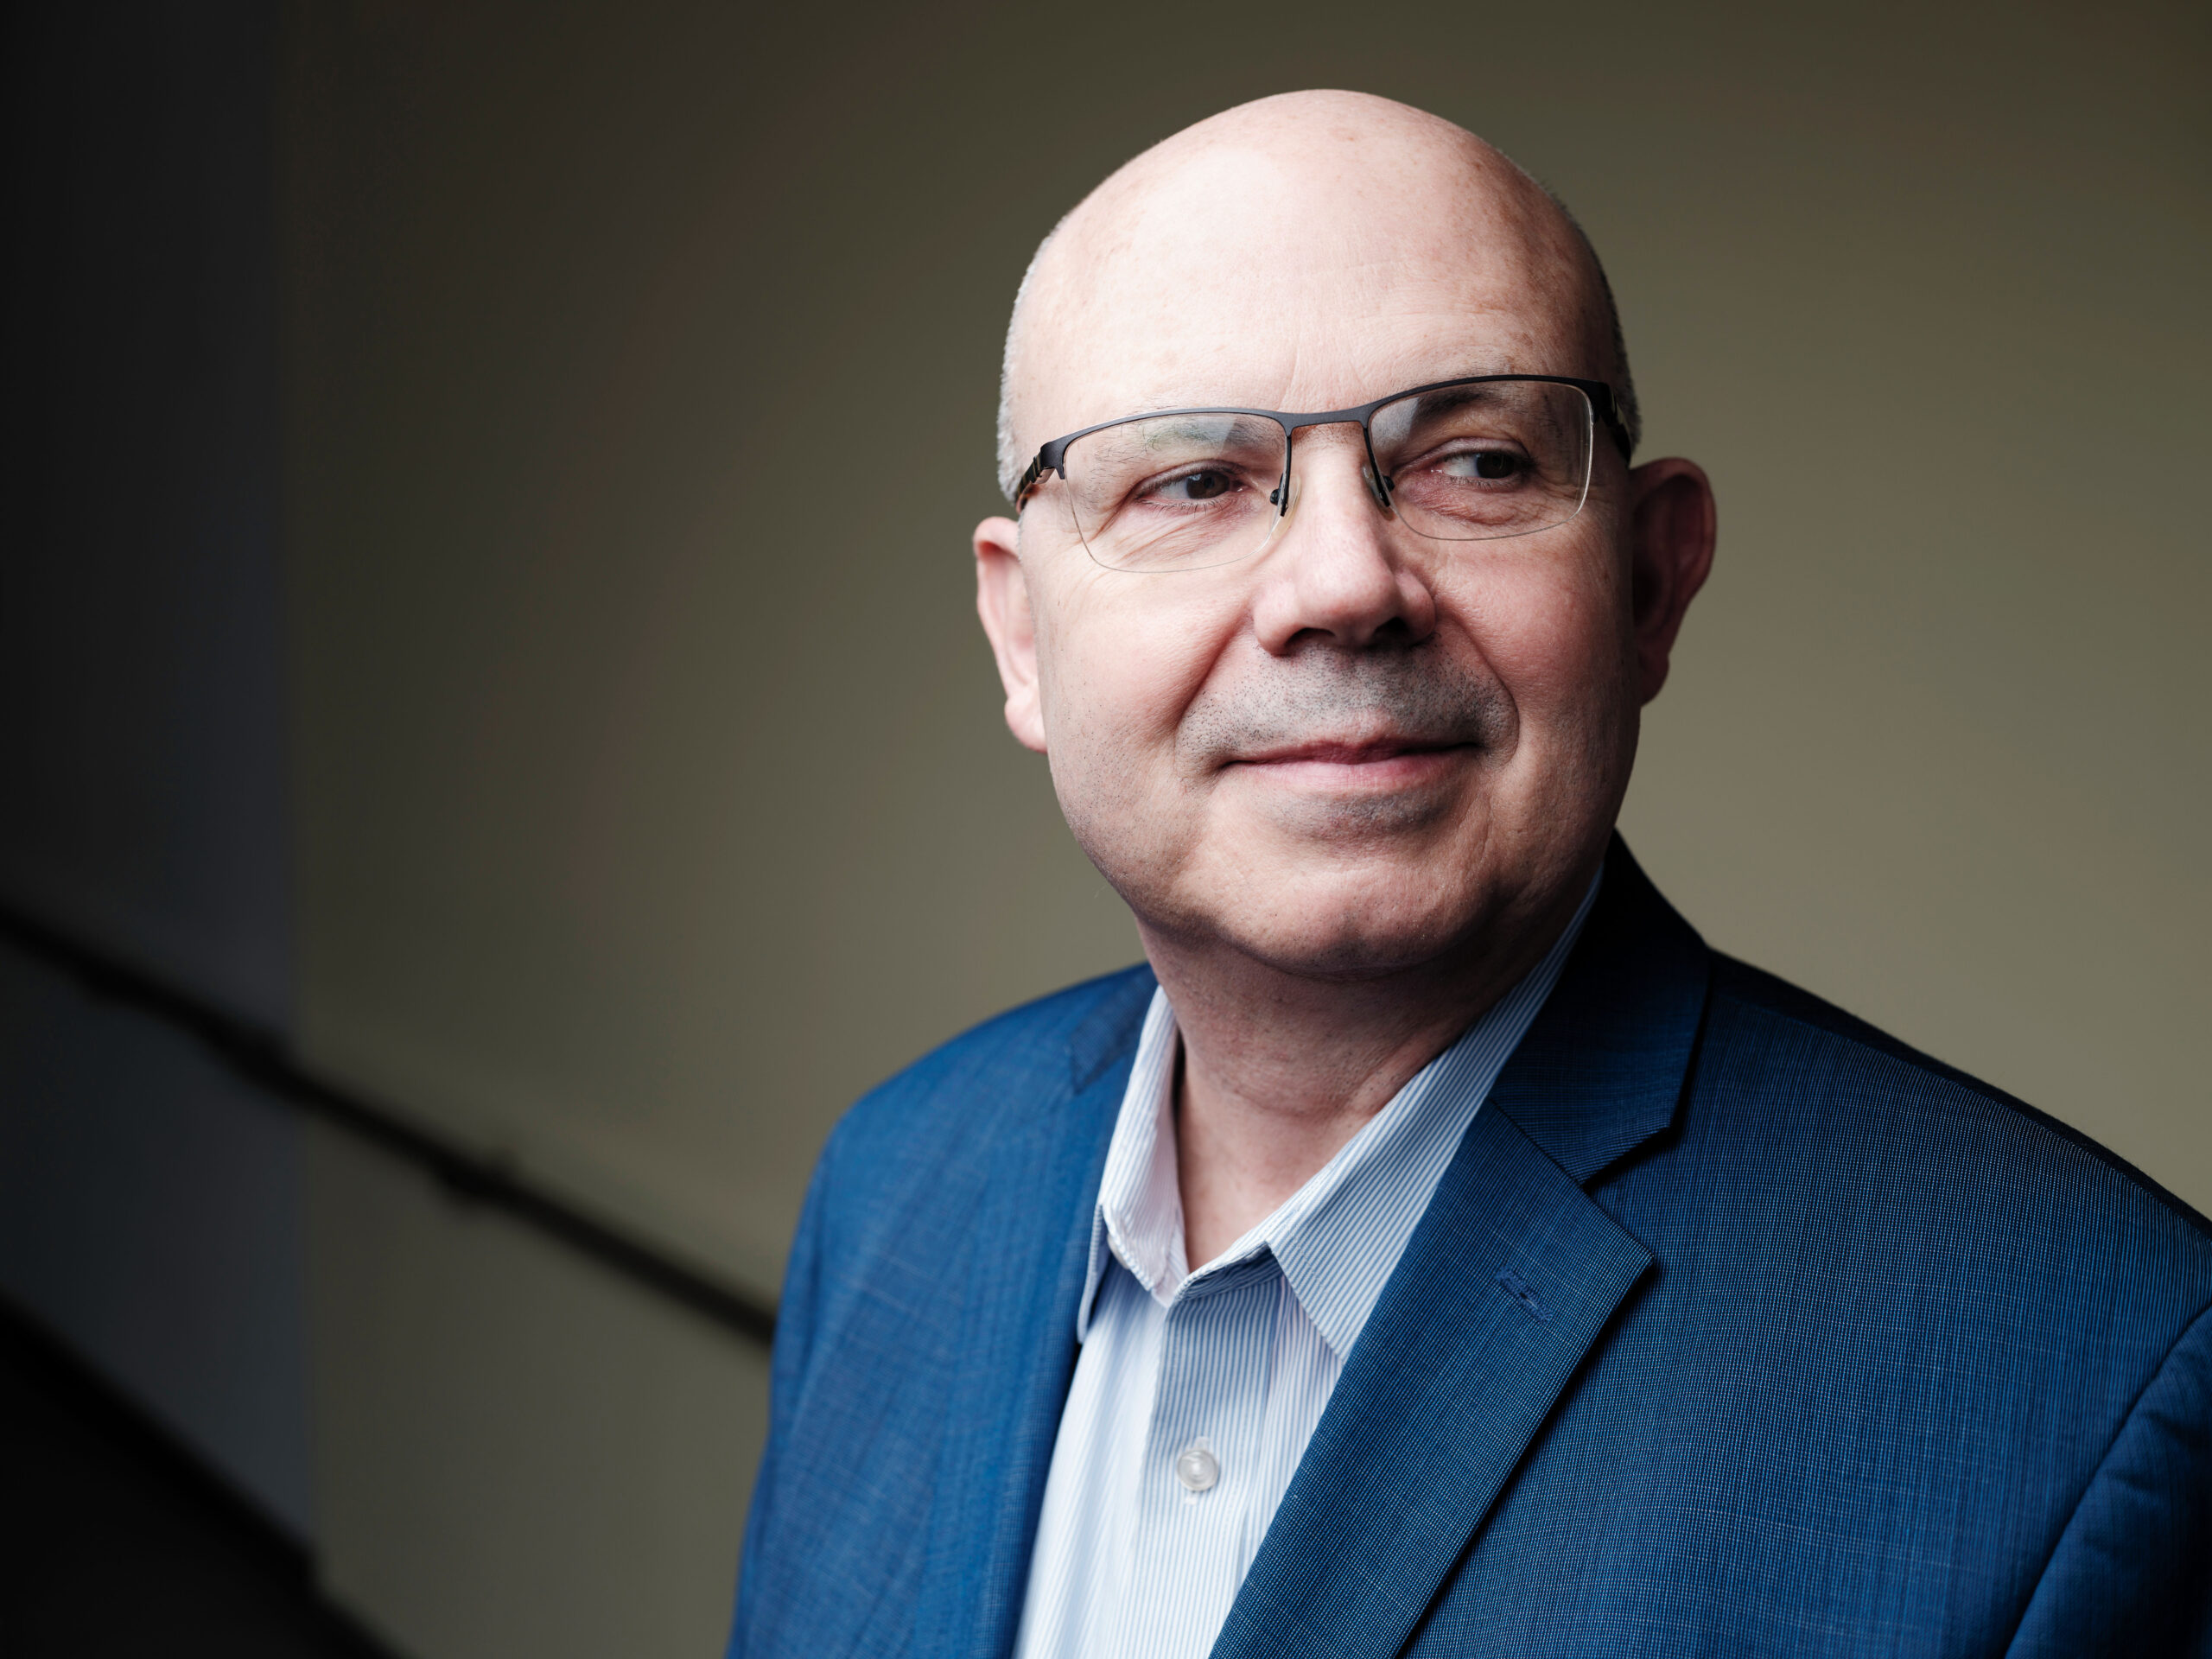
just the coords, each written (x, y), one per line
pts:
(1358, 750)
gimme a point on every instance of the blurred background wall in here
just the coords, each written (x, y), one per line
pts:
(499, 752)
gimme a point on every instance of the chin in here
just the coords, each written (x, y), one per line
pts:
(1349, 928)
(1312, 908)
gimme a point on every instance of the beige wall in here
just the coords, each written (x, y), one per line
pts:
(515, 1452)
(640, 363)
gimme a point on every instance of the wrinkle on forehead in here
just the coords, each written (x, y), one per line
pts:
(1297, 253)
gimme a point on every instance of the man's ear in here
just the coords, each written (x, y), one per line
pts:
(1672, 524)
(1003, 601)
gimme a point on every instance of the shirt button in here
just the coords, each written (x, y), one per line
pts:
(1196, 1468)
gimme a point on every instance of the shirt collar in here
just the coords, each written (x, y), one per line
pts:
(1339, 1238)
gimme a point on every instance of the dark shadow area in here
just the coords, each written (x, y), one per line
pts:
(264, 1064)
(114, 1541)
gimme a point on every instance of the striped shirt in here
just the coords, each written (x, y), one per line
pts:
(1195, 1392)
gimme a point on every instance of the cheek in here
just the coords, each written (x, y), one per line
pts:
(1555, 632)
(1119, 661)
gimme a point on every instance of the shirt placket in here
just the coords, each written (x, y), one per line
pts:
(1216, 1350)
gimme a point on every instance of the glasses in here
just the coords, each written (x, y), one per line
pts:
(1474, 460)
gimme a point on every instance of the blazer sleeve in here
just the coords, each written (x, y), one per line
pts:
(2133, 1572)
(796, 1313)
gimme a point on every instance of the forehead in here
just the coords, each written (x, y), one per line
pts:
(1240, 276)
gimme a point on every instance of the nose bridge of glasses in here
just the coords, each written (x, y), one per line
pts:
(1357, 445)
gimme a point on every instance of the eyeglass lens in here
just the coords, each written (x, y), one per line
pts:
(1463, 463)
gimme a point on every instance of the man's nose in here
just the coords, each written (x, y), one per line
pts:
(1337, 569)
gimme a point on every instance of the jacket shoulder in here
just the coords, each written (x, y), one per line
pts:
(1747, 997)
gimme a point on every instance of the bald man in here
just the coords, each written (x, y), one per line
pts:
(1432, 1248)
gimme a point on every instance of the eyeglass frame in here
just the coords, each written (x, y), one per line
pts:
(1052, 457)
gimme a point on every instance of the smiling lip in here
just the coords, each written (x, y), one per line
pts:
(1385, 763)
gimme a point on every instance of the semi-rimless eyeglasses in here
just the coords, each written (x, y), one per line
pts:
(1471, 460)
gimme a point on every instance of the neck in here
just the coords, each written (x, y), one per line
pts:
(1280, 1069)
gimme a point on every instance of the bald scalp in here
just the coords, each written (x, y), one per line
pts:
(1324, 174)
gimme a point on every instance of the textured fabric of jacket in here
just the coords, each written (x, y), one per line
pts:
(1734, 1328)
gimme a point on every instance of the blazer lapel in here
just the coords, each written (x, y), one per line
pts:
(1023, 1279)
(1504, 1288)
(1600, 1071)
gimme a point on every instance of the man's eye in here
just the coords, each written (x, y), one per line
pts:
(1481, 463)
(1202, 485)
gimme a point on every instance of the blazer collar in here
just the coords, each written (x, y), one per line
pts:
(1601, 1070)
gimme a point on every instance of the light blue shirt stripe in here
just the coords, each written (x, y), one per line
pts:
(1237, 1360)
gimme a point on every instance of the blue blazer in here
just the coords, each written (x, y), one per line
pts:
(1831, 1350)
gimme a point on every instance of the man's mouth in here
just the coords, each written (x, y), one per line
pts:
(1326, 752)
(1372, 764)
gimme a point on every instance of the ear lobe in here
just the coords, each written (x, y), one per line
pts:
(1673, 525)
(1002, 602)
